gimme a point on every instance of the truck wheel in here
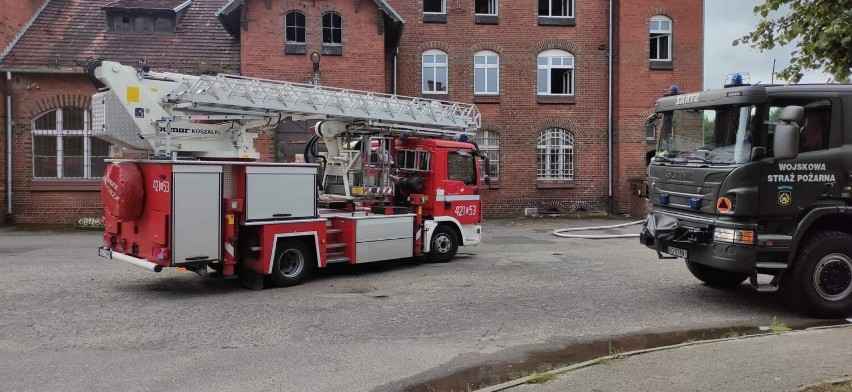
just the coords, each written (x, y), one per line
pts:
(820, 281)
(292, 265)
(444, 245)
(715, 277)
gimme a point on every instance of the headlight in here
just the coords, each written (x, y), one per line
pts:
(734, 236)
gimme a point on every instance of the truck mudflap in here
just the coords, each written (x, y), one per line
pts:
(657, 229)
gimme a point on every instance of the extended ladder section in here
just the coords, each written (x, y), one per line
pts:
(229, 94)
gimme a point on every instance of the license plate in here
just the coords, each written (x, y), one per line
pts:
(105, 252)
(676, 252)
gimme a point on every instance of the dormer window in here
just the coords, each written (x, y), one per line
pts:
(133, 16)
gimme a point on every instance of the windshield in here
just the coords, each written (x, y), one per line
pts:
(718, 135)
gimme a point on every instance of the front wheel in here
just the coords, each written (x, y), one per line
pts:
(293, 264)
(443, 245)
(820, 281)
(715, 277)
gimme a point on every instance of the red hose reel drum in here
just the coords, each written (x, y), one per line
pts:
(123, 191)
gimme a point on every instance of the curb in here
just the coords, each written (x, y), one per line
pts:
(826, 383)
(554, 372)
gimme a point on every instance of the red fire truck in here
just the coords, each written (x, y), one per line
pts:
(399, 177)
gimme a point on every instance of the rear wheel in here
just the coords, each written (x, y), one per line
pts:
(293, 264)
(820, 281)
(715, 277)
(443, 245)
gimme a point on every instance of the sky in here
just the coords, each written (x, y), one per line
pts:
(721, 27)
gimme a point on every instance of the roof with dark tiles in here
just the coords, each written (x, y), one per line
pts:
(68, 32)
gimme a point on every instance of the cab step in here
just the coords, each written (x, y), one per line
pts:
(770, 287)
(333, 258)
(335, 245)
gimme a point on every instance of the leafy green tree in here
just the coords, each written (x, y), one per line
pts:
(824, 30)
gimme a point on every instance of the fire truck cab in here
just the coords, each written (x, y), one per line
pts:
(399, 178)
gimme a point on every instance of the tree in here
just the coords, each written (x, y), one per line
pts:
(824, 31)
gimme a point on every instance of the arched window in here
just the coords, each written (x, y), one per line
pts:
(435, 79)
(295, 26)
(489, 143)
(556, 155)
(332, 28)
(661, 38)
(63, 146)
(555, 72)
(486, 73)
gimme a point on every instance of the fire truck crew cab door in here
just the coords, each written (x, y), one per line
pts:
(196, 213)
(461, 199)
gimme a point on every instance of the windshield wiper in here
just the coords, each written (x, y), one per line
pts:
(662, 159)
(704, 160)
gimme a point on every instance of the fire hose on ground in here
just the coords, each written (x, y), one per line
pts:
(562, 232)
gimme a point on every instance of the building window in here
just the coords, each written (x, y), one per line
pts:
(294, 33)
(434, 72)
(435, 11)
(63, 146)
(295, 21)
(332, 28)
(489, 143)
(556, 155)
(434, 6)
(661, 38)
(486, 73)
(556, 8)
(148, 23)
(486, 7)
(555, 73)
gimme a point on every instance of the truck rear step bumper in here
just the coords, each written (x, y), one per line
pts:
(109, 254)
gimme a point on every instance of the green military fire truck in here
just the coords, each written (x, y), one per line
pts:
(753, 182)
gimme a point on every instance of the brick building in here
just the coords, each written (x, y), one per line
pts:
(538, 70)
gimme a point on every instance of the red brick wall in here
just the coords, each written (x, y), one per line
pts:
(638, 87)
(14, 14)
(3, 204)
(361, 67)
(44, 201)
(518, 118)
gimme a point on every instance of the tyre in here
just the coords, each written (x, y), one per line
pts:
(820, 281)
(715, 277)
(292, 265)
(443, 245)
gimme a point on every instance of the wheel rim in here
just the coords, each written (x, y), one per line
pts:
(442, 244)
(291, 263)
(833, 277)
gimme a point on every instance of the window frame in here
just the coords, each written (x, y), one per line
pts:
(332, 14)
(485, 54)
(495, 4)
(656, 34)
(442, 12)
(296, 28)
(60, 133)
(435, 66)
(570, 5)
(550, 55)
(565, 170)
(488, 142)
(133, 17)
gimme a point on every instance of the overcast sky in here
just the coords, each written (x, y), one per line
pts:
(727, 20)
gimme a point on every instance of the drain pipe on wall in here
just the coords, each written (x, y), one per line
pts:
(609, 113)
(395, 56)
(8, 146)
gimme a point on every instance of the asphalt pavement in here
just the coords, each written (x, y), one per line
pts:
(74, 322)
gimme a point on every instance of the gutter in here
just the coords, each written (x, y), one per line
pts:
(609, 113)
(42, 71)
(8, 146)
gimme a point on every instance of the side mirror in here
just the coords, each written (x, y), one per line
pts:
(488, 180)
(650, 133)
(787, 133)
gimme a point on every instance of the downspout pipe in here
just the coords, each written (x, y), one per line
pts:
(395, 57)
(609, 112)
(8, 146)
